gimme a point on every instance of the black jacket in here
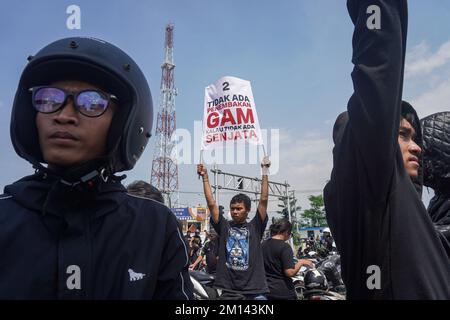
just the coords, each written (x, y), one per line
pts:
(58, 242)
(436, 159)
(439, 210)
(373, 208)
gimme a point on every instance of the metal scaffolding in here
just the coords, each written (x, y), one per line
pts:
(243, 184)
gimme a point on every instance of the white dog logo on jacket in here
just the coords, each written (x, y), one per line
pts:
(135, 276)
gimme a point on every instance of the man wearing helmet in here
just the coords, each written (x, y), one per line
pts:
(326, 243)
(83, 112)
(388, 245)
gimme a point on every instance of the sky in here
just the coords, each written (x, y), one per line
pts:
(296, 53)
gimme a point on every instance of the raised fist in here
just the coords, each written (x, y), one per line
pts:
(265, 162)
(201, 170)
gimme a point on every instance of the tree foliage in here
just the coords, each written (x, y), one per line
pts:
(316, 214)
(284, 213)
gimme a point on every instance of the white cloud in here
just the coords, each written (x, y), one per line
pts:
(428, 78)
(421, 61)
(434, 100)
(305, 162)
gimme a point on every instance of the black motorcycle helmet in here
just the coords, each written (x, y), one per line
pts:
(100, 63)
(315, 280)
(436, 151)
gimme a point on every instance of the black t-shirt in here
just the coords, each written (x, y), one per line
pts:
(240, 267)
(210, 252)
(193, 253)
(278, 256)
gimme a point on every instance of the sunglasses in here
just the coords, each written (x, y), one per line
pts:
(90, 103)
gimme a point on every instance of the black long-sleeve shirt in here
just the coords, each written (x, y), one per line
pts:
(373, 208)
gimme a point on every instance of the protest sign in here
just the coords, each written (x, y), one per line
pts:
(230, 114)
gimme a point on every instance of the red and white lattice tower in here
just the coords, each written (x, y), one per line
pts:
(164, 167)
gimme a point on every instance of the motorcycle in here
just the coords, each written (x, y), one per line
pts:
(298, 279)
(331, 268)
(203, 285)
(299, 283)
(322, 295)
(323, 282)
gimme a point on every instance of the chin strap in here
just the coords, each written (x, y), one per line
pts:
(101, 173)
(88, 178)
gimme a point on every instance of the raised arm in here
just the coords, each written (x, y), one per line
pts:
(212, 206)
(264, 199)
(379, 43)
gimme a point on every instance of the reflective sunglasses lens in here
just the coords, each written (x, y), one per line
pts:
(47, 100)
(92, 103)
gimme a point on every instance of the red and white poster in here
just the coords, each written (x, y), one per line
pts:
(230, 114)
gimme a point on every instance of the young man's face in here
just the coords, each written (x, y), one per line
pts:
(67, 137)
(410, 150)
(238, 212)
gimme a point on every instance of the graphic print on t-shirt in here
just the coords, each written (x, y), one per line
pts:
(237, 248)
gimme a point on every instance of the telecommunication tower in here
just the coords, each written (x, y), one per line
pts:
(164, 166)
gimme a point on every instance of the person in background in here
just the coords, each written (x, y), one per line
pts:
(145, 190)
(193, 250)
(279, 262)
(208, 254)
(436, 175)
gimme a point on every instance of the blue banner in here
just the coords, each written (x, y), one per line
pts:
(181, 213)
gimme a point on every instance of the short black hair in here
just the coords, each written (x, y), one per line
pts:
(280, 226)
(408, 113)
(240, 197)
(146, 190)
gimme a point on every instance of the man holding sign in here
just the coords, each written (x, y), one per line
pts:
(230, 118)
(240, 269)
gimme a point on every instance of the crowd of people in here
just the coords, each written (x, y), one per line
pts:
(203, 256)
(322, 246)
(83, 112)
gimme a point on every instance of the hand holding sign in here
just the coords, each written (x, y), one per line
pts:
(265, 162)
(265, 165)
(202, 171)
